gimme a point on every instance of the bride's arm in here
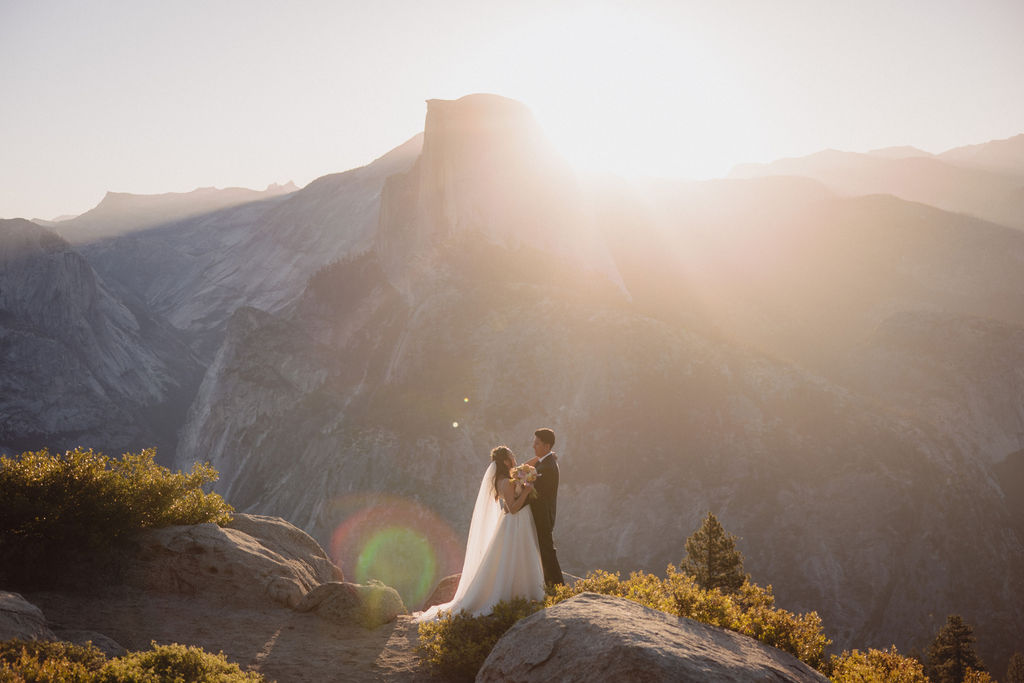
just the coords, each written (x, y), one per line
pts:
(508, 492)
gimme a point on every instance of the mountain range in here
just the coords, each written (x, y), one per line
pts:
(824, 351)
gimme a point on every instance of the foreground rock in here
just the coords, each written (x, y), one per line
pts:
(254, 559)
(21, 619)
(282, 644)
(598, 637)
(261, 590)
(444, 591)
(370, 606)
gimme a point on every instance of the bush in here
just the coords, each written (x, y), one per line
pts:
(175, 663)
(43, 662)
(46, 661)
(81, 503)
(456, 645)
(881, 666)
(750, 610)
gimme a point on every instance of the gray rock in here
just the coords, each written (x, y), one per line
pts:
(444, 591)
(370, 606)
(595, 637)
(107, 645)
(268, 560)
(19, 618)
(287, 540)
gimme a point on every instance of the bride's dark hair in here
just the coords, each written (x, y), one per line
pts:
(500, 457)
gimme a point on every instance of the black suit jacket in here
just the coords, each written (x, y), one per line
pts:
(544, 505)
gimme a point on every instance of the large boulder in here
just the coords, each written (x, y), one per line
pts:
(19, 618)
(288, 540)
(594, 637)
(253, 559)
(370, 605)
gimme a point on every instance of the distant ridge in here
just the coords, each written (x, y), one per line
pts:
(986, 181)
(900, 152)
(120, 212)
(1006, 155)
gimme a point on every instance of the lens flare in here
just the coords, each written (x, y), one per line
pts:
(403, 555)
(398, 542)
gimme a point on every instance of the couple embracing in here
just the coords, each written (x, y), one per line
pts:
(509, 553)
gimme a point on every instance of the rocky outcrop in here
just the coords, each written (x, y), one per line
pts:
(593, 637)
(260, 559)
(21, 619)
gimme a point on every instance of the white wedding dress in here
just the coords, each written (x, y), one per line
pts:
(502, 558)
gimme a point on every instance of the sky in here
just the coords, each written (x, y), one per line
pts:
(149, 96)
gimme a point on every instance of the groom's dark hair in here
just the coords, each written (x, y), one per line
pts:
(545, 435)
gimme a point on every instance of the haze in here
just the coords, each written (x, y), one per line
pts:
(148, 97)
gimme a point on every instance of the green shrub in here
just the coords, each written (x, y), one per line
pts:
(46, 661)
(455, 646)
(750, 610)
(79, 504)
(876, 666)
(174, 663)
(59, 662)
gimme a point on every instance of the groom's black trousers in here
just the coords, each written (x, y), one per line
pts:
(548, 558)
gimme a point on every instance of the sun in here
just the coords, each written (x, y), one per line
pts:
(616, 91)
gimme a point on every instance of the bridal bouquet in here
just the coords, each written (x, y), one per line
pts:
(522, 474)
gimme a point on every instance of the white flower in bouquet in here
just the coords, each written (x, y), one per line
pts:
(523, 474)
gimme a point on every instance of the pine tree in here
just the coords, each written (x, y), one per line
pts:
(1015, 671)
(712, 558)
(952, 654)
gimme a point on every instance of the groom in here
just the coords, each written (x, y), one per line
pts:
(543, 506)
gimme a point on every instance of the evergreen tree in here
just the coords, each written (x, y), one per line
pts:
(951, 654)
(712, 558)
(1015, 671)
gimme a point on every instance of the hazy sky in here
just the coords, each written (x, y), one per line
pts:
(166, 96)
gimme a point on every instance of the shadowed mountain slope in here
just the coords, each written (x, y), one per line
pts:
(197, 271)
(79, 365)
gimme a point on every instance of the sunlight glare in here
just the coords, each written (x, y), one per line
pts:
(616, 92)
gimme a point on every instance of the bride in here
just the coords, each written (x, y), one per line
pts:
(502, 554)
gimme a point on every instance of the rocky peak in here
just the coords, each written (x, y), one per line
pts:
(487, 169)
(480, 134)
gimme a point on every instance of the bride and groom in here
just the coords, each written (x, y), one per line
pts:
(509, 554)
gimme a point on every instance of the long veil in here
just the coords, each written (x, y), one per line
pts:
(482, 527)
(483, 524)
